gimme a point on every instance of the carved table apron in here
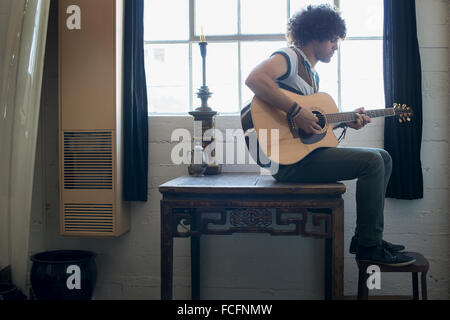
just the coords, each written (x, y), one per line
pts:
(244, 203)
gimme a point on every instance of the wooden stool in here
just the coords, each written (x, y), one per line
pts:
(420, 265)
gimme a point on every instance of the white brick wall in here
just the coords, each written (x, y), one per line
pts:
(258, 266)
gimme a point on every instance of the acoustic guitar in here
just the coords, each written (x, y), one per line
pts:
(294, 146)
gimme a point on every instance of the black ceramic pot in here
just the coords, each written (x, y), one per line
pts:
(63, 275)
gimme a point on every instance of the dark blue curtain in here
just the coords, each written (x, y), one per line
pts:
(135, 105)
(403, 84)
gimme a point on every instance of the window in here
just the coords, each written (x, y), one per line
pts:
(240, 34)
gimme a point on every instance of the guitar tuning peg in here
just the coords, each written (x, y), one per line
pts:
(395, 105)
(409, 119)
(400, 120)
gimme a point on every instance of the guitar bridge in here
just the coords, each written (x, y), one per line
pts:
(293, 127)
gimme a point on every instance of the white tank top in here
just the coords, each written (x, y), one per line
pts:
(300, 76)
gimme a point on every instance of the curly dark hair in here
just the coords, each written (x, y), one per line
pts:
(320, 23)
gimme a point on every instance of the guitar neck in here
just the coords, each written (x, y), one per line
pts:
(344, 117)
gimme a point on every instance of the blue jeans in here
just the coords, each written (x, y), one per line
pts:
(372, 167)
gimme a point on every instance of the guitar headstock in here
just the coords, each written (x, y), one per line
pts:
(403, 112)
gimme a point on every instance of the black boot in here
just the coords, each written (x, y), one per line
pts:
(393, 248)
(380, 255)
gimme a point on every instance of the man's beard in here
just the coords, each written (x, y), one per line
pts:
(326, 59)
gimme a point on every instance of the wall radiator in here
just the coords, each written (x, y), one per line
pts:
(90, 119)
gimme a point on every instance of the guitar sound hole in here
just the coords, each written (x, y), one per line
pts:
(322, 123)
(321, 118)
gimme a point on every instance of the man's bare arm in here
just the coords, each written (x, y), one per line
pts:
(262, 81)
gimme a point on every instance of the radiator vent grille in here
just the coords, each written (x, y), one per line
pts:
(88, 218)
(88, 160)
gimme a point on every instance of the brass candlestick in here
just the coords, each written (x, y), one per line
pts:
(203, 93)
(204, 113)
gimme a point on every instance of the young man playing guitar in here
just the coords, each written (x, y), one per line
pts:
(314, 34)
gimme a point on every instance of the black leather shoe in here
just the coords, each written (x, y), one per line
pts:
(394, 248)
(381, 256)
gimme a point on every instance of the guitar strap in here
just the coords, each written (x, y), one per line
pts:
(305, 72)
(249, 130)
(247, 121)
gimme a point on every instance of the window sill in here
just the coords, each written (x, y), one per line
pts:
(184, 115)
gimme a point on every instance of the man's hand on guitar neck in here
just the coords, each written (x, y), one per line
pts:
(308, 122)
(361, 121)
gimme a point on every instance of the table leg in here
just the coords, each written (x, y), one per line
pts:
(195, 257)
(166, 252)
(338, 252)
(328, 269)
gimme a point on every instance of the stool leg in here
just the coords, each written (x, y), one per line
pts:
(424, 286)
(415, 281)
(363, 291)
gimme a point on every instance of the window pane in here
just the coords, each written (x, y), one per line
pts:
(166, 20)
(363, 18)
(221, 76)
(252, 54)
(328, 74)
(167, 69)
(218, 17)
(362, 74)
(297, 5)
(263, 16)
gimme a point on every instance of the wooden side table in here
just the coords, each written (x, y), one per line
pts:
(247, 202)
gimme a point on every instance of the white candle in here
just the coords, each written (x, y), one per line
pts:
(202, 37)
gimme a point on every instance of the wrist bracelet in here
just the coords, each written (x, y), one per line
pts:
(296, 114)
(293, 109)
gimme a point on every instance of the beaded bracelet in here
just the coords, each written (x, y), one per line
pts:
(292, 114)
(294, 109)
(296, 113)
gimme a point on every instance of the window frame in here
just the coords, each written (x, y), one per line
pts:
(239, 38)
